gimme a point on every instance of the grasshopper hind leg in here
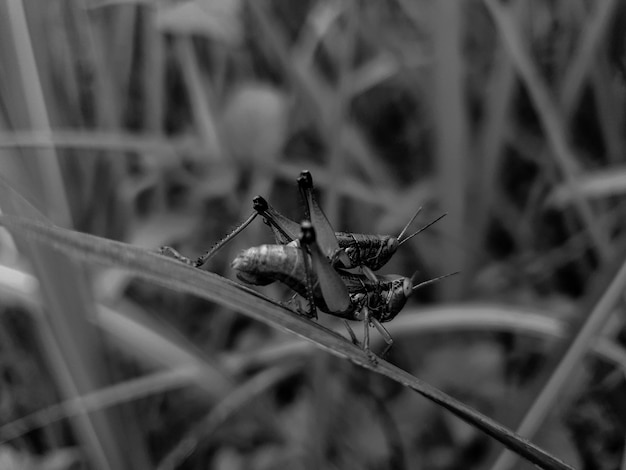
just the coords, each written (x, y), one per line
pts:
(308, 236)
(202, 260)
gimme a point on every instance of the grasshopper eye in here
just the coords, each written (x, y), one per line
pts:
(392, 245)
(407, 287)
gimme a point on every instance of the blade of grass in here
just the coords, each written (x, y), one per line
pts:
(550, 118)
(202, 104)
(583, 65)
(338, 114)
(231, 404)
(318, 99)
(146, 340)
(609, 291)
(451, 133)
(451, 319)
(153, 72)
(105, 397)
(607, 182)
(108, 104)
(174, 275)
(499, 100)
(586, 54)
(68, 341)
(98, 140)
(26, 107)
(121, 26)
(611, 117)
(158, 145)
(71, 344)
(22, 287)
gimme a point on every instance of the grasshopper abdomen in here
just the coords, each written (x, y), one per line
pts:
(262, 265)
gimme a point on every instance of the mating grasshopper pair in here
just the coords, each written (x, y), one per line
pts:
(333, 271)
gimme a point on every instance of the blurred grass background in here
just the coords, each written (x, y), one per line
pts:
(157, 123)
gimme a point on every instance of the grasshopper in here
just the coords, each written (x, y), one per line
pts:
(361, 250)
(352, 250)
(317, 267)
(305, 268)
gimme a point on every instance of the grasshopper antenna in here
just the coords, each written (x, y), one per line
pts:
(400, 242)
(406, 227)
(431, 281)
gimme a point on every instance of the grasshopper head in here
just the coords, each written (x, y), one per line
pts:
(397, 296)
(392, 245)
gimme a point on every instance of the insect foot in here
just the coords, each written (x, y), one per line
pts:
(170, 252)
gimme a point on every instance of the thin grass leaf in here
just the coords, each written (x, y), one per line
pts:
(202, 103)
(175, 275)
(318, 99)
(451, 134)
(584, 59)
(451, 319)
(598, 184)
(71, 344)
(151, 384)
(145, 339)
(502, 88)
(231, 404)
(23, 99)
(608, 293)
(610, 117)
(134, 332)
(550, 117)
(153, 73)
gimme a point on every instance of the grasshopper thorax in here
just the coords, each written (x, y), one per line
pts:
(373, 251)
